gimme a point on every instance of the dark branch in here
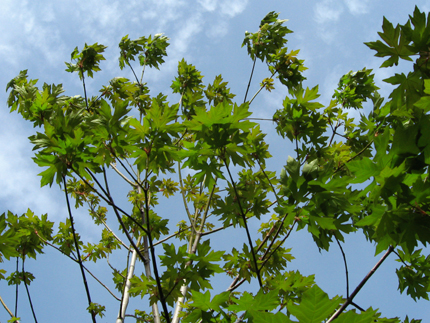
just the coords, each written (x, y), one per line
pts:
(28, 292)
(362, 283)
(154, 262)
(87, 290)
(346, 267)
(257, 270)
(250, 79)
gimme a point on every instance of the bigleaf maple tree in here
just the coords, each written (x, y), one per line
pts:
(342, 175)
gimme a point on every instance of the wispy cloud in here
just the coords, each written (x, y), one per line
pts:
(357, 7)
(327, 11)
(29, 35)
(18, 175)
(233, 8)
(208, 5)
(229, 8)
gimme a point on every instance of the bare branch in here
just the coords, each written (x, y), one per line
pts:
(5, 307)
(250, 79)
(28, 291)
(362, 283)
(122, 175)
(346, 267)
(257, 270)
(87, 290)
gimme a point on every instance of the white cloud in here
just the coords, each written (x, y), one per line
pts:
(217, 30)
(29, 35)
(327, 11)
(18, 175)
(208, 5)
(185, 34)
(232, 8)
(357, 7)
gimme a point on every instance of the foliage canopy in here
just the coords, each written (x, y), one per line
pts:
(346, 175)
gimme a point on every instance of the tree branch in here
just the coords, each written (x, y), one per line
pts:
(127, 285)
(85, 90)
(346, 267)
(93, 315)
(261, 87)
(16, 290)
(183, 197)
(257, 270)
(250, 79)
(154, 262)
(5, 307)
(28, 292)
(87, 270)
(122, 175)
(109, 199)
(358, 288)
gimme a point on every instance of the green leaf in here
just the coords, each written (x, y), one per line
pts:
(396, 44)
(367, 316)
(259, 302)
(363, 169)
(314, 307)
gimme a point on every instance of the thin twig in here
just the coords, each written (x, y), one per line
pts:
(181, 186)
(261, 119)
(268, 180)
(113, 233)
(280, 244)
(93, 314)
(401, 259)
(16, 291)
(357, 306)
(6, 308)
(257, 270)
(107, 200)
(362, 283)
(134, 73)
(28, 292)
(235, 284)
(73, 259)
(216, 230)
(346, 267)
(333, 132)
(261, 87)
(353, 157)
(85, 90)
(122, 175)
(250, 79)
(275, 236)
(169, 237)
(154, 261)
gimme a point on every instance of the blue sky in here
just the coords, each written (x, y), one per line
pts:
(40, 35)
